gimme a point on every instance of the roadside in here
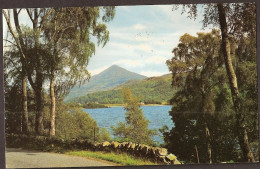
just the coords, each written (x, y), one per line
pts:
(122, 158)
(20, 158)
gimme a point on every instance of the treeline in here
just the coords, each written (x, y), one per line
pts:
(87, 106)
(215, 107)
(45, 60)
(155, 90)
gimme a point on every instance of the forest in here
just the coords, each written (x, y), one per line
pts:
(213, 91)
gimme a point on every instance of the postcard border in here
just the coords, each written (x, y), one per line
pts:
(67, 3)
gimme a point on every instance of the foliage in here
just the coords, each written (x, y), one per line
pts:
(198, 72)
(72, 122)
(223, 120)
(136, 127)
(56, 49)
(104, 135)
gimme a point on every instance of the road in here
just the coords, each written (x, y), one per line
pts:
(19, 158)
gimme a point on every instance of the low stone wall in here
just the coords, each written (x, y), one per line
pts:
(156, 154)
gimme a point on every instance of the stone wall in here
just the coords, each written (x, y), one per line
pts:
(155, 154)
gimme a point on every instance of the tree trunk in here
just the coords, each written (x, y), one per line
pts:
(25, 111)
(52, 113)
(205, 122)
(241, 130)
(39, 111)
(197, 154)
(208, 143)
(39, 76)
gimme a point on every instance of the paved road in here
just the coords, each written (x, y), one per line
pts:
(18, 158)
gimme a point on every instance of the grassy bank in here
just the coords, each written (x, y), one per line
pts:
(121, 159)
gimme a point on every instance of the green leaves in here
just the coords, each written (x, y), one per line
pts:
(201, 101)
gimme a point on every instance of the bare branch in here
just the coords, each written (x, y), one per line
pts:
(10, 42)
(13, 33)
(19, 11)
(30, 14)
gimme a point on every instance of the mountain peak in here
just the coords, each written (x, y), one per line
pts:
(107, 79)
(114, 66)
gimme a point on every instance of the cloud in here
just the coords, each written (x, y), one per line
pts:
(156, 60)
(144, 47)
(153, 73)
(139, 27)
(128, 63)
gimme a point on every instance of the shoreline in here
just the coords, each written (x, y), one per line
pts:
(122, 105)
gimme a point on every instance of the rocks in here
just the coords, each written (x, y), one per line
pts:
(161, 152)
(115, 144)
(105, 144)
(162, 160)
(172, 159)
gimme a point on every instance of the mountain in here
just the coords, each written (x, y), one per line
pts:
(108, 79)
(153, 90)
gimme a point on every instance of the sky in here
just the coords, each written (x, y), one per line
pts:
(141, 38)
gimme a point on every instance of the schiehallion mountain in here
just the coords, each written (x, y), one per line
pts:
(108, 79)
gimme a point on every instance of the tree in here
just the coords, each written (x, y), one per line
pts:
(104, 135)
(241, 129)
(17, 120)
(135, 128)
(196, 72)
(55, 32)
(19, 44)
(73, 36)
(18, 37)
(73, 122)
(236, 21)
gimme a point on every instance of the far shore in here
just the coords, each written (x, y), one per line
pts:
(122, 105)
(104, 106)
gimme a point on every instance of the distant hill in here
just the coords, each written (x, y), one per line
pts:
(108, 79)
(154, 90)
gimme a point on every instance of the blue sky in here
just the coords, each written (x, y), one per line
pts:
(141, 38)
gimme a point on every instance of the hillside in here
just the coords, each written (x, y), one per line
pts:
(108, 79)
(154, 90)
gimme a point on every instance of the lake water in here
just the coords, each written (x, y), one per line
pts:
(157, 115)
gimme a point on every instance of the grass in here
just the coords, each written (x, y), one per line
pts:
(122, 159)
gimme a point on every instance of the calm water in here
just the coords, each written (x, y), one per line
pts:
(157, 115)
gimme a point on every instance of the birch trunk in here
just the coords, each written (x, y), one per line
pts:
(53, 106)
(241, 130)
